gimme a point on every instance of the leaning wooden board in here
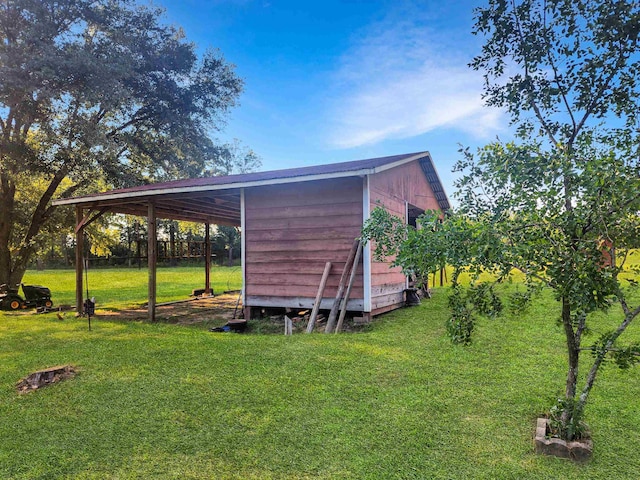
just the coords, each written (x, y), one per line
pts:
(316, 304)
(341, 286)
(354, 269)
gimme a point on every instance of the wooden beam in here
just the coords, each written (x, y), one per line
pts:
(176, 302)
(232, 195)
(318, 300)
(86, 221)
(345, 300)
(194, 215)
(199, 208)
(79, 259)
(192, 209)
(142, 212)
(333, 314)
(210, 203)
(151, 258)
(257, 301)
(207, 259)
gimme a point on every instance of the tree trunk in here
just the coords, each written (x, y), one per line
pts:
(19, 268)
(573, 350)
(13, 265)
(7, 199)
(230, 257)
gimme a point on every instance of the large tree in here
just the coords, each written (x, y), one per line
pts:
(97, 89)
(561, 202)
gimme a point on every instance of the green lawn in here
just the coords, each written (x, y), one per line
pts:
(397, 401)
(126, 287)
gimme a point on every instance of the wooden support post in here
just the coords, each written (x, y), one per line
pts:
(138, 247)
(316, 305)
(288, 326)
(172, 244)
(79, 260)
(151, 259)
(331, 321)
(207, 259)
(343, 310)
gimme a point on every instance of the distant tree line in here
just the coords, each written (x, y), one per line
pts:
(121, 241)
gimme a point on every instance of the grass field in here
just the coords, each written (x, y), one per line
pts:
(398, 401)
(126, 287)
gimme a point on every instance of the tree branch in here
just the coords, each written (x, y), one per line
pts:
(133, 121)
(591, 377)
(556, 76)
(38, 216)
(528, 82)
(603, 86)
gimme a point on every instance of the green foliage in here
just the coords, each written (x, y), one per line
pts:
(233, 158)
(461, 324)
(626, 357)
(485, 300)
(419, 251)
(98, 93)
(519, 301)
(574, 428)
(558, 65)
(466, 303)
(606, 347)
(439, 241)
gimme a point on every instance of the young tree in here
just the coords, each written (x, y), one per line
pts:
(98, 89)
(561, 203)
(569, 193)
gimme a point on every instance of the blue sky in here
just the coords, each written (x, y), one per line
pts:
(329, 81)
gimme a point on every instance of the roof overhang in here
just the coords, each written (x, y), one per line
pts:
(220, 202)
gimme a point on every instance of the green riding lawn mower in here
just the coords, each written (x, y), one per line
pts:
(33, 296)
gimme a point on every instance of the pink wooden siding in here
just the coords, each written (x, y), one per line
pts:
(392, 189)
(291, 231)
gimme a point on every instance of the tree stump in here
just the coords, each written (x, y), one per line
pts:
(45, 377)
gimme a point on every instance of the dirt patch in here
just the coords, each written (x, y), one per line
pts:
(218, 309)
(43, 378)
(213, 312)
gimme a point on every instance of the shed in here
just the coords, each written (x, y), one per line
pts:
(292, 222)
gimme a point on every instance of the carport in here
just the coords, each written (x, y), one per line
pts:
(188, 200)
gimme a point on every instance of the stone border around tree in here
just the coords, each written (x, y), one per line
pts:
(578, 451)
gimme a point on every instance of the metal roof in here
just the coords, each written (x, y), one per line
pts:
(217, 199)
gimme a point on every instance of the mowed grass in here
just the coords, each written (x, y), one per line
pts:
(127, 287)
(398, 401)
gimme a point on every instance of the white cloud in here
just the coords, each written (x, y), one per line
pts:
(399, 81)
